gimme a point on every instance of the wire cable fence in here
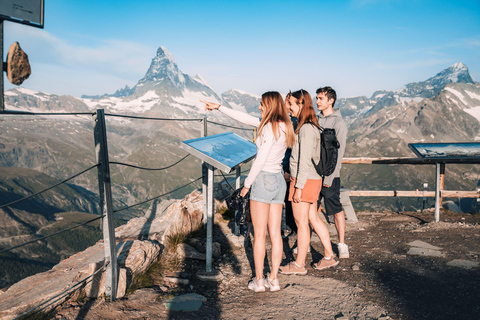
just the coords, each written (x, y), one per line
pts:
(51, 235)
(152, 118)
(51, 187)
(103, 176)
(152, 169)
(229, 126)
(26, 113)
(137, 204)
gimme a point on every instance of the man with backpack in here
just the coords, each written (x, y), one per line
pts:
(332, 118)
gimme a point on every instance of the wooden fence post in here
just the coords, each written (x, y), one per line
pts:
(106, 207)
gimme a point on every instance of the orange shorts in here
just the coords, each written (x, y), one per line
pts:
(310, 191)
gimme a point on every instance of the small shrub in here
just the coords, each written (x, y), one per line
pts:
(174, 240)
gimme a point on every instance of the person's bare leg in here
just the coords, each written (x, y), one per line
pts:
(340, 225)
(300, 212)
(259, 212)
(274, 230)
(321, 229)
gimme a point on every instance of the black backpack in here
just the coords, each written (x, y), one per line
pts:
(329, 146)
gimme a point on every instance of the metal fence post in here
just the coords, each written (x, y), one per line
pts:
(237, 186)
(204, 175)
(106, 208)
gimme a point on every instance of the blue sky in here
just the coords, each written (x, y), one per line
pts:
(357, 46)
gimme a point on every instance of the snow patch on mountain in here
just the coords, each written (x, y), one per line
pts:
(473, 95)
(203, 81)
(139, 105)
(247, 93)
(474, 112)
(191, 99)
(457, 93)
(237, 106)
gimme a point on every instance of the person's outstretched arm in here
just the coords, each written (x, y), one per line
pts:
(240, 116)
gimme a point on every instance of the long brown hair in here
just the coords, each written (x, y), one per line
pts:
(307, 113)
(276, 111)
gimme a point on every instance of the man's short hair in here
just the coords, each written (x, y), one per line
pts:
(329, 93)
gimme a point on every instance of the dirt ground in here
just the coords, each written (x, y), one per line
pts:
(379, 280)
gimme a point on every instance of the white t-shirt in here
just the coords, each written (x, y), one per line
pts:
(270, 151)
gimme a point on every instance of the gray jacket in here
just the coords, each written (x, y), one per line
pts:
(309, 149)
(336, 122)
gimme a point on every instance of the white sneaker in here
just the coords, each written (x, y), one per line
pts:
(274, 285)
(257, 285)
(343, 251)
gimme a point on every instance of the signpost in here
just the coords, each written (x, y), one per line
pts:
(225, 151)
(29, 12)
(441, 153)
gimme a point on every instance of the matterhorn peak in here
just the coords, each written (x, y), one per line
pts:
(164, 54)
(163, 66)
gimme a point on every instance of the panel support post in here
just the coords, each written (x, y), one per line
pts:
(442, 182)
(204, 174)
(106, 208)
(210, 211)
(237, 186)
(438, 187)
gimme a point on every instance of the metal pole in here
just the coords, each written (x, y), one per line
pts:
(204, 174)
(237, 186)
(437, 192)
(209, 219)
(106, 208)
(2, 98)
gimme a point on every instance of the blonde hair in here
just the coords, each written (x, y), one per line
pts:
(276, 111)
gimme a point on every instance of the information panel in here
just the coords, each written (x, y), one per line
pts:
(446, 151)
(223, 151)
(28, 12)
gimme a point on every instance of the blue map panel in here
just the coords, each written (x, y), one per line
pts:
(447, 151)
(224, 151)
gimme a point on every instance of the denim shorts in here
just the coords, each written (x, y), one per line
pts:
(269, 188)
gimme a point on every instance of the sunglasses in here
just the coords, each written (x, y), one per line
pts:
(289, 94)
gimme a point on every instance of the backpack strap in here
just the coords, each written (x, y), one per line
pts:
(298, 160)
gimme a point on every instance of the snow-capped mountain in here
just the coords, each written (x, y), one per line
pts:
(357, 107)
(164, 90)
(243, 101)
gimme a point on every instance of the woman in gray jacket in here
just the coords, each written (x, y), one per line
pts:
(305, 185)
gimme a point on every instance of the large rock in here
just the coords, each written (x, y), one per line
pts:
(166, 218)
(18, 67)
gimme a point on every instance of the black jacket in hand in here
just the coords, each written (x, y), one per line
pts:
(242, 205)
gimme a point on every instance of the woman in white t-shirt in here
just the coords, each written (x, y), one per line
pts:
(268, 187)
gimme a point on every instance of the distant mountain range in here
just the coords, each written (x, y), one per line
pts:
(445, 107)
(358, 107)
